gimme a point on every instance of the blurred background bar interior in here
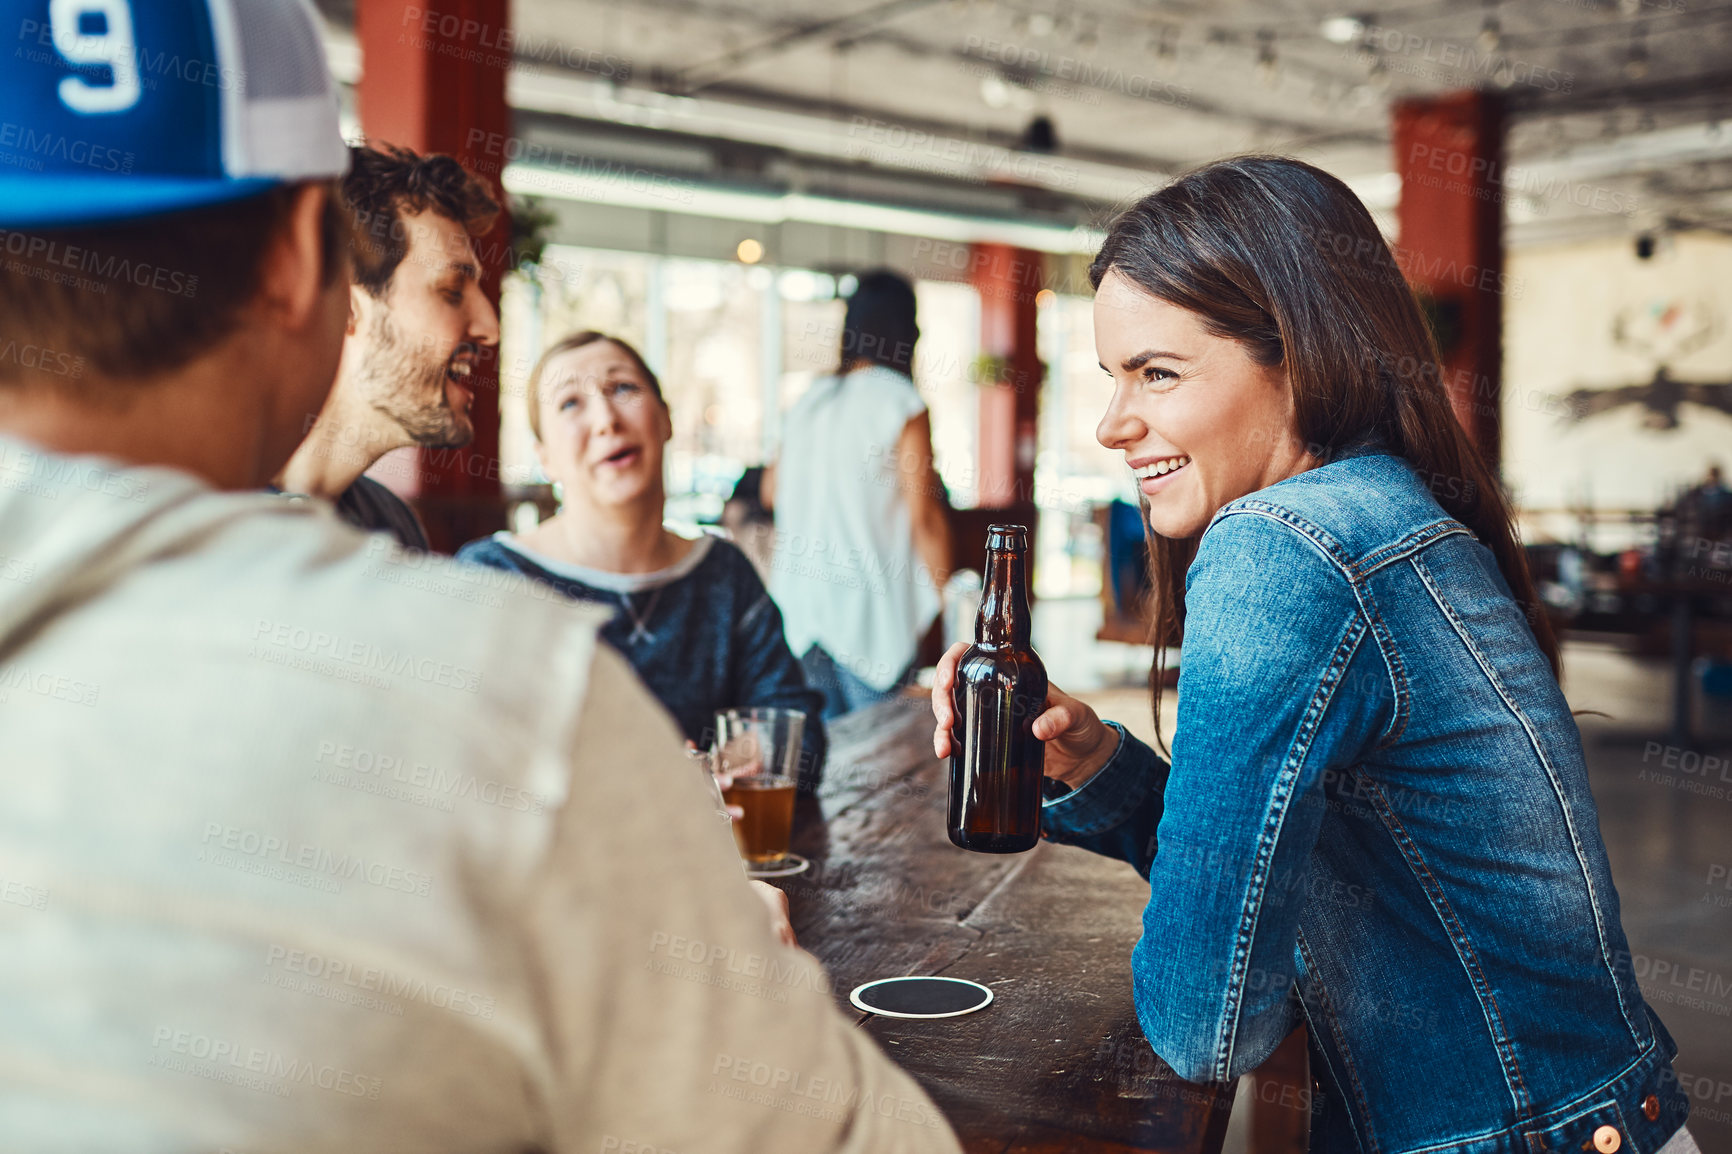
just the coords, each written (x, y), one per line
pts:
(705, 178)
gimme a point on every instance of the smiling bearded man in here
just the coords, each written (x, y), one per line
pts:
(417, 322)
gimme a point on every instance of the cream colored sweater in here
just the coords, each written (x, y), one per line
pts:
(308, 845)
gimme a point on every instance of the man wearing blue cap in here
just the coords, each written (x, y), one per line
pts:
(305, 844)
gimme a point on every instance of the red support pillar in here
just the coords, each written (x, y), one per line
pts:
(1007, 280)
(1449, 152)
(433, 79)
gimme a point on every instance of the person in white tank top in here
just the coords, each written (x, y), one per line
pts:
(863, 544)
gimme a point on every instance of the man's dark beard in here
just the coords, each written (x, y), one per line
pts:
(411, 392)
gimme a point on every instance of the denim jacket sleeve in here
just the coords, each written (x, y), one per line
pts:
(1115, 812)
(1225, 834)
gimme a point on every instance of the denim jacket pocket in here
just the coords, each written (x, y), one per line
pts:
(1634, 1113)
(1598, 1129)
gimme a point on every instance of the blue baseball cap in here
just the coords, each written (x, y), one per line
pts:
(111, 110)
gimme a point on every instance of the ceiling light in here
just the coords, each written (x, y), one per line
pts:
(1000, 91)
(1490, 34)
(750, 251)
(1636, 64)
(1342, 29)
(1268, 70)
(1040, 135)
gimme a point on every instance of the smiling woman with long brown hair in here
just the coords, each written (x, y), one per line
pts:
(1375, 819)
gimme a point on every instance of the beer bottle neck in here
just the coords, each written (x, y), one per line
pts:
(1004, 617)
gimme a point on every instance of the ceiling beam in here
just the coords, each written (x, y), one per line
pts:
(700, 76)
(1711, 87)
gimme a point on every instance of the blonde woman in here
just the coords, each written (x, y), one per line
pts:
(692, 616)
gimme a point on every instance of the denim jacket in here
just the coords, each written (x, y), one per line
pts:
(1377, 821)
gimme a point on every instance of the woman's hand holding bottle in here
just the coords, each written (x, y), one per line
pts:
(1078, 743)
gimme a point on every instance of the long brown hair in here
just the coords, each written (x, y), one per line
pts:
(1283, 258)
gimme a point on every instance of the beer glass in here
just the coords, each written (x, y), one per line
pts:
(759, 750)
(705, 760)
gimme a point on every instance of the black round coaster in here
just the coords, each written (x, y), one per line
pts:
(914, 997)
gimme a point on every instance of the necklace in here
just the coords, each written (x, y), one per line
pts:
(640, 622)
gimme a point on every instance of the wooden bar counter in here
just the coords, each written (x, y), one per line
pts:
(1057, 1062)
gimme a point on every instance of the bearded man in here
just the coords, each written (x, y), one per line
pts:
(417, 323)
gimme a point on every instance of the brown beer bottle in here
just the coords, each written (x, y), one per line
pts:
(995, 769)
